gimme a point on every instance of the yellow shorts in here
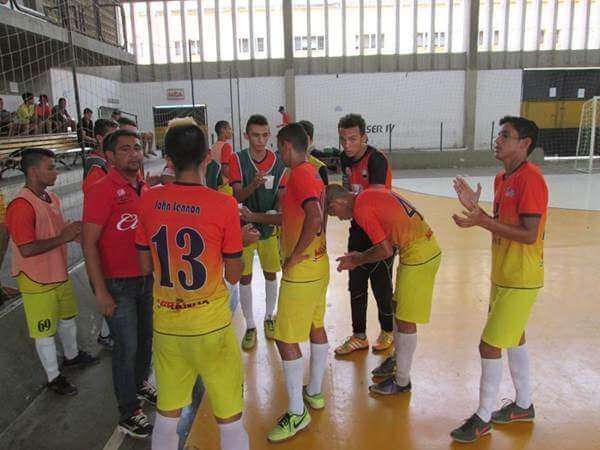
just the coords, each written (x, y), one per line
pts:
(301, 306)
(44, 309)
(226, 189)
(508, 315)
(414, 290)
(268, 254)
(178, 360)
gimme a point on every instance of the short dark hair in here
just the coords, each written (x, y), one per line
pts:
(353, 120)
(31, 157)
(43, 96)
(308, 127)
(26, 96)
(126, 121)
(112, 139)
(295, 134)
(62, 99)
(103, 126)
(220, 126)
(525, 129)
(335, 191)
(88, 110)
(185, 144)
(256, 119)
(281, 109)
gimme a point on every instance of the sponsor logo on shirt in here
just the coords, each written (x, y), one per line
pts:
(128, 222)
(510, 192)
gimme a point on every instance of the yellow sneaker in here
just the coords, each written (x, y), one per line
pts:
(384, 341)
(269, 326)
(351, 344)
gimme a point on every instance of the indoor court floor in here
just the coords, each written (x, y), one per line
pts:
(563, 336)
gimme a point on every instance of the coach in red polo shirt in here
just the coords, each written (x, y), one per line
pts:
(123, 295)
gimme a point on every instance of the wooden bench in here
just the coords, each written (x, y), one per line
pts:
(64, 146)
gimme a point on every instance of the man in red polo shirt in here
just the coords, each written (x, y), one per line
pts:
(123, 295)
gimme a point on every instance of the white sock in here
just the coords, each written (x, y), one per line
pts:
(271, 297)
(246, 301)
(234, 436)
(294, 374)
(491, 375)
(234, 296)
(67, 331)
(104, 331)
(318, 364)
(46, 350)
(518, 362)
(164, 436)
(405, 345)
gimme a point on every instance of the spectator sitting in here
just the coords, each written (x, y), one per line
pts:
(115, 115)
(42, 115)
(85, 129)
(25, 122)
(61, 119)
(5, 117)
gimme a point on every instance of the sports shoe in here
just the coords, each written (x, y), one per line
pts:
(147, 393)
(106, 341)
(82, 359)
(136, 426)
(389, 387)
(470, 431)
(386, 369)
(288, 425)
(62, 386)
(384, 341)
(351, 344)
(249, 340)
(269, 325)
(511, 412)
(316, 401)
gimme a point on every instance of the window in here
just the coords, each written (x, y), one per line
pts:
(243, 45)
(368, 41)
(195, 46)
(542, 37)
(423, 40)
(158, 14)
(496, 37)
(480, 39)
(439, 39)
(316, 43)
(177, 48)
(192, 12)
(260, 44)
(557, 38)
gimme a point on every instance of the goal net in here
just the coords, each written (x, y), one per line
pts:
(588, 139)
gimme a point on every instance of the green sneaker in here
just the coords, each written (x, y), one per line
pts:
(288, 426)
(470, 431)
(511, 412)
(269, 325)
(316, 401)
(249, 341)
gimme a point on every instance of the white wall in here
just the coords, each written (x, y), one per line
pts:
(414, 103)
(257, 95)
(498, 95)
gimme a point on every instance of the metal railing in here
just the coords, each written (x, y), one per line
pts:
(104, 21)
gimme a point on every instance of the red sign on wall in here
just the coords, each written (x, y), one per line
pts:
(176, 94)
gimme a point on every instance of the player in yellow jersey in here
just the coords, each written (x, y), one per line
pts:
(189, 236)
(301, 304)
(517, 227)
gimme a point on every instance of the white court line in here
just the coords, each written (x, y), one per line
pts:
(115, 440)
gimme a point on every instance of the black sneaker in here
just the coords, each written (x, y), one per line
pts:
(82, 359)
(62, 386)
(106, 341)
(386, 369)
(470, 431)
(136, 426)
(147, 393)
